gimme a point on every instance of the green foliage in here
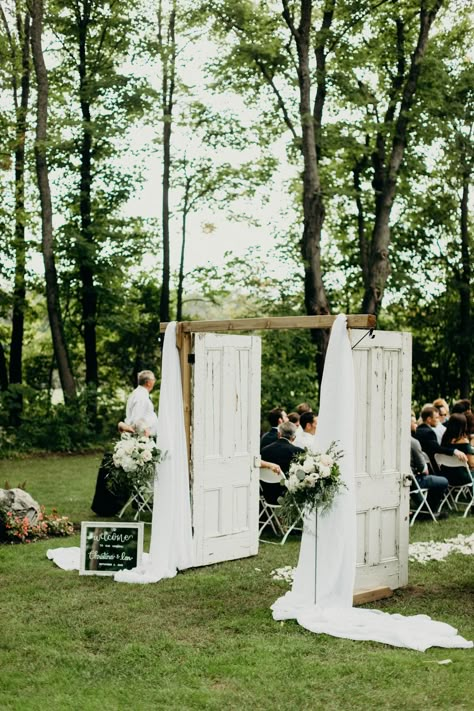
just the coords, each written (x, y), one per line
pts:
(55, 428)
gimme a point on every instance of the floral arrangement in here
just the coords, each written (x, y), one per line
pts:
(20, 529)
(132, 463)
(313, 480)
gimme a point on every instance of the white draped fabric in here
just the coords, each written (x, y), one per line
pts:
(321, 596)
(171, 547)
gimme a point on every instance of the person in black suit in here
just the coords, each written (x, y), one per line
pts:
(281, 452)
(275, 418)
(426, 436)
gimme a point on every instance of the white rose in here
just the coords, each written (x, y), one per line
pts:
(129, 464)
(147, 456)
(311, 479)
(324, 471)
(128, 446)
(327, 460)
(292, 483)
(308, 466)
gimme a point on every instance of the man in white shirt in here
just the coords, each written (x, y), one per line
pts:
(305, 434)
(139, 408)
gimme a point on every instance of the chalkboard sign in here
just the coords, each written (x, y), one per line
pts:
(109, 547)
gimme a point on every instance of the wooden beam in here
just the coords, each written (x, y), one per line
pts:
(361, 597)
(272, 322)
(183, 342)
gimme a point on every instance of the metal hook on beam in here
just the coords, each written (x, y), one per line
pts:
(369, 333)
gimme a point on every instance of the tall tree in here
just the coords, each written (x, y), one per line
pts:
(390, 143)
(42, 172)
(166, 45)
(97, 100)
(20, 66)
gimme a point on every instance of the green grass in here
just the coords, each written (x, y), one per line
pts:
(206, 639)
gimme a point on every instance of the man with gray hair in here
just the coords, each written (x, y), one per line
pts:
(139, 410)
(280, 452)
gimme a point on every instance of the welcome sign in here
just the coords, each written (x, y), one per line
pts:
(108, 547)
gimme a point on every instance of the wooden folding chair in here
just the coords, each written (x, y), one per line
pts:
(455, 492)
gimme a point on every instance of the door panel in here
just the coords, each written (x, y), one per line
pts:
(225, 441)
(382, 367)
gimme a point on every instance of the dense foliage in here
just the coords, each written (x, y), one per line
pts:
(351, 120)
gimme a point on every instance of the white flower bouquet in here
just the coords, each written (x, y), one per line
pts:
(313, 480)
(133, 463)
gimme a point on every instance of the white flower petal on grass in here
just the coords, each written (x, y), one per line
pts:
(424, 551)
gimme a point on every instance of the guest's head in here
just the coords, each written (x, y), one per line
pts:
(308, 422)
(456, 429)
(443, 409)
(146, 378)
(287, 430)
(276, 416)
(413, 424)
(470, 421)
(303, 407)
(294, 418)
(461, 406)
(430, 415)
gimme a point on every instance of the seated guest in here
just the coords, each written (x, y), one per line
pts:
(294, 418)
(305, 435)
(303, 407)
(280, 452)
(443, 412)
(426, 436)
(436, 485)
(461, 406)
(443, 409)
(456, 434)
(275, 418)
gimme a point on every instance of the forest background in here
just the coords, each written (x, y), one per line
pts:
(335, 134)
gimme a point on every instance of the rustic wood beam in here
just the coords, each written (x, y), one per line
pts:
(272, 322)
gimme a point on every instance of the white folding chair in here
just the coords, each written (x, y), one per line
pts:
(142, 497)
(455, 492)
(269, 512)
(420, 495)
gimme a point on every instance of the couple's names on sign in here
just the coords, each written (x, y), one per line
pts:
(108, 547)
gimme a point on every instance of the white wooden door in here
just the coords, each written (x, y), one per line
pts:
(382, 368)
(225, 445)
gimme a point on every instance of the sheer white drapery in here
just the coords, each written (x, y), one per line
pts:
(321, 596)
(171, 547)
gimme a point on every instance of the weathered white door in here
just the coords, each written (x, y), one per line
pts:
(225, 443)
(382, 368)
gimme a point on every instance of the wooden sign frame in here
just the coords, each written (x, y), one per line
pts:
(109, 548)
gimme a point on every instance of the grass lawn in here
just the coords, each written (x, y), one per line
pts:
(206, 639)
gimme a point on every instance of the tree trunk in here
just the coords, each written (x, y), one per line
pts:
(386, 175)
(179, 299)
(168, 61)
(19, 290)
(313, 204)
(3, 369)
(86, 247)
(52, 290)
(165, 216)
(465, 350)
